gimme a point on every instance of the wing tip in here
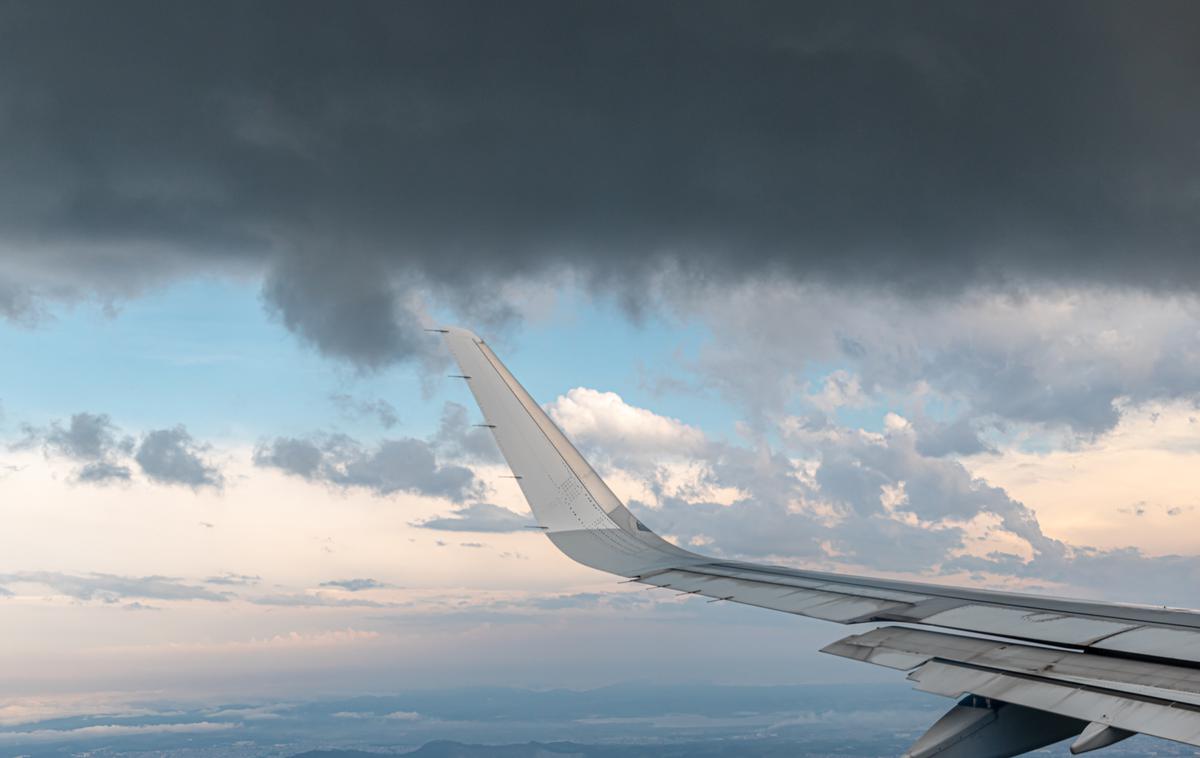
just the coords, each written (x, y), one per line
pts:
(448, 330)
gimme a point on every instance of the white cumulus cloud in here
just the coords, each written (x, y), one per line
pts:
(604, 420)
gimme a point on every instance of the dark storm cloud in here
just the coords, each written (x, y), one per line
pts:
(358, 152)
(394, 465)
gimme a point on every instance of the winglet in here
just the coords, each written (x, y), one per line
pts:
(569, 499)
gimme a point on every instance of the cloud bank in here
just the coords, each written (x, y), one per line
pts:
(846, 498)
(112, 587)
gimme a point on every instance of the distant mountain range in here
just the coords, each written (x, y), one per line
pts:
(714, 749)
(621, 721)
(883, 747)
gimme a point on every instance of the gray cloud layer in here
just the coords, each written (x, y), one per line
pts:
(88, 437)
(111, 587)
(233, 580)
(379, 409)
(358, 152)
(356, 585)
(1062, 359)
(171, 456)
(479, 517)
(303, 600)
(166, 456)
(457, 437)
(394, 465)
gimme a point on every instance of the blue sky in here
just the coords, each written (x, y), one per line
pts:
(205, 353)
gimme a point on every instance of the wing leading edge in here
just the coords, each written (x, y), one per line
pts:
(1120, 669)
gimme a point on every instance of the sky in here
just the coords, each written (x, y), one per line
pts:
(898, 289)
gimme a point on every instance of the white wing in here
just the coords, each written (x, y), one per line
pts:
(1102, 671)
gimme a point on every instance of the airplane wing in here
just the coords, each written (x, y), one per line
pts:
(1050, 668)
